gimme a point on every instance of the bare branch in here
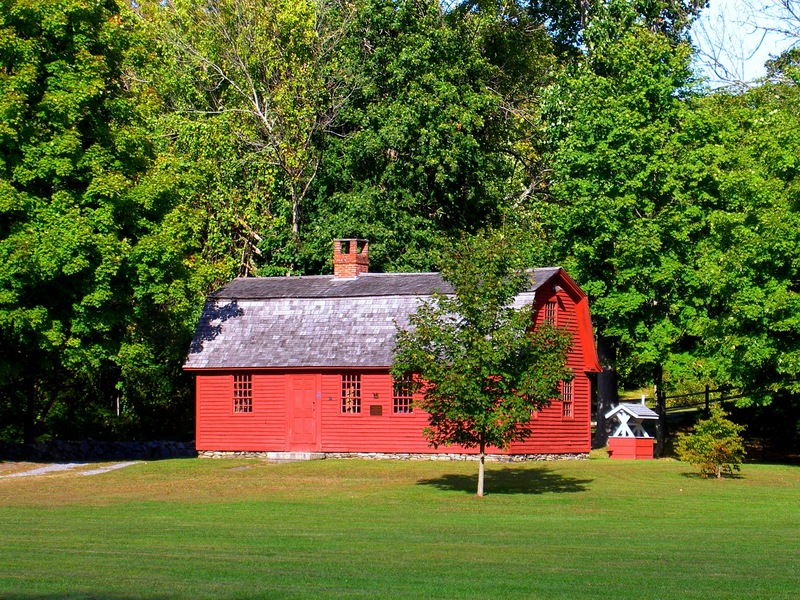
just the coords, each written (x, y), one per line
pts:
(286, 83)
(729, 43)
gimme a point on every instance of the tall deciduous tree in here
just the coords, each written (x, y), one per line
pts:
(427, 145)
(482, 367)
(614, 217)
(567, 20)
(72, 153)
(265, 76)
(748, 255)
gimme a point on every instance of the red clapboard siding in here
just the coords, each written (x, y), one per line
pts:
(366, 432)
(552, 432)
(219, 428)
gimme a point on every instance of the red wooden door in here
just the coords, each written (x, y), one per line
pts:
(303, 400)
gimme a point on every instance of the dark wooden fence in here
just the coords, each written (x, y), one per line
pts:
(678, 410)
(702, 399)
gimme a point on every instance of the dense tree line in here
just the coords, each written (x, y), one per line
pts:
(151, 151)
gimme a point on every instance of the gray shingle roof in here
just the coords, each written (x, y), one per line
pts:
(328, 286)
(314, 321)
(634, 409)
(368, 284)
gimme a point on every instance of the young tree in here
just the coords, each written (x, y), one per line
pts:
(715, 446)
(482, 367)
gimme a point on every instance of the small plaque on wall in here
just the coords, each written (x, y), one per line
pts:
(375, 410)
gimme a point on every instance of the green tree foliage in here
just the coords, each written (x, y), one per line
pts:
(616, 223)
(425, 147)
(484, 368)
(249, 87)
(747, 255)
(567, 20)
(677, 213)
(715, 446)
(70, 215)
(153, 150)
(524, 64)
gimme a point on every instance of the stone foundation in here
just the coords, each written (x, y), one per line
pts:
(500, 458)
(94, 451)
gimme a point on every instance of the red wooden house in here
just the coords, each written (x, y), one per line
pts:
(301, 364)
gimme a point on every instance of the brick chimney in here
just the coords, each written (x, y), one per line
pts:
(350, 258)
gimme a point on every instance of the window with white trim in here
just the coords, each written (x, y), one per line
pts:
(402, 394)
(242, 393)
(566, 399)
(351, 394)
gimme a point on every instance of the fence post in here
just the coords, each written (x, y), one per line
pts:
(708, 410)
(661, 424)
(661, 409)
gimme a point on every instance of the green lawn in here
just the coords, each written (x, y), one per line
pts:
(571, 529)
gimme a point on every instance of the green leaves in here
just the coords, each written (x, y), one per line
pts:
(748, 258)
(676, 213)
(71, 217)
(267, 75)
(423, 147)
(153, 151)
(615, 220)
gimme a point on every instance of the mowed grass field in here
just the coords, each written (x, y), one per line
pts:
(384, 529)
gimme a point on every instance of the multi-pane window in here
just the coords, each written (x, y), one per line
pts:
(566, 399)
(402, 394)
(242, 393)
(351, 394)
(550, 312)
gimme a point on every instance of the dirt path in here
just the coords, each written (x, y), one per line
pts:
(108, 468)
(57, 467)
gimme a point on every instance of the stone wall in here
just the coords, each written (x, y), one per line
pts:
(226, 454)
(500, 458)
(94, 451)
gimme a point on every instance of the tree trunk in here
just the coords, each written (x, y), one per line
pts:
(28, 425)
(481, 468)
(29, 413)
(661, 409)
(295, 215)
(607, 394)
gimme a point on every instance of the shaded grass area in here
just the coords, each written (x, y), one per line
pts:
(241, 529)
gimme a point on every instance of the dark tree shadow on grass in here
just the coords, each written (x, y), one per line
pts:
(511, 480)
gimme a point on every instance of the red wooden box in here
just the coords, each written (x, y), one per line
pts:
(627, 448)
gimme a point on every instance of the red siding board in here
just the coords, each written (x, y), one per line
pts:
(266, 428)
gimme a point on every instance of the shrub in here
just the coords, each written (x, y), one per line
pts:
(715, 446)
